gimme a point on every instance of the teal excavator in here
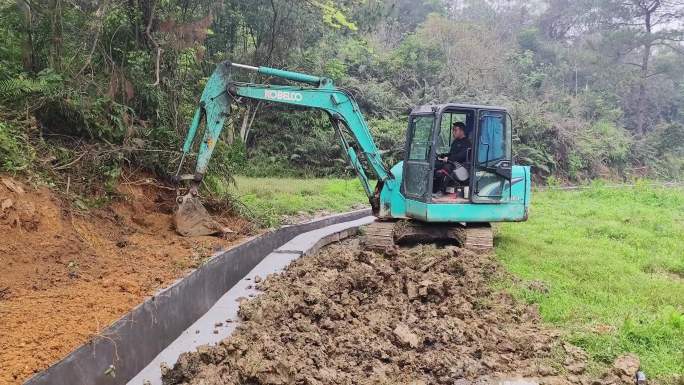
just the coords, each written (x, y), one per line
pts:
(415, 200)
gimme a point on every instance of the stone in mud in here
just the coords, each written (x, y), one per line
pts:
(517, 381)
(406, 336)
(411, 290)
(576, 367)
(546, 371)
(626, 365)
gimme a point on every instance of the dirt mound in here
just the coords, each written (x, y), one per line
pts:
(68, 273)
(344, 316)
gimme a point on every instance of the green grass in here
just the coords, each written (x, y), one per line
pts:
(613, 260)
(272, 198)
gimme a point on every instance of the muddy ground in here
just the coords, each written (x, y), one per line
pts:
(66, 273)
(422, 316)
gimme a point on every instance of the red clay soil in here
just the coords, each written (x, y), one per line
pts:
(67, 274)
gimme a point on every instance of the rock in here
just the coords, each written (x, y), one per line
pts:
(411, 290)
(6, 203)
(406, 336)
(576, 367)
(626, 365)
(257, 279)
(574, 352)
(13, 185)
(164, 368)
(517, 381)
(546, 371)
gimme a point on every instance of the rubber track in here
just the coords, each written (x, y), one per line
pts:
(378, 236)
(479, 238)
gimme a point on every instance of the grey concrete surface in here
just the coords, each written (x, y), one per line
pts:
(220, 321)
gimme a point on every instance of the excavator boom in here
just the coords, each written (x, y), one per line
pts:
(221, 92)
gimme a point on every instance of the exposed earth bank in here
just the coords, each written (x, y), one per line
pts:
(424, 315)
(66, 273)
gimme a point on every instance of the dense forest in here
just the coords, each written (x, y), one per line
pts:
(89, 87)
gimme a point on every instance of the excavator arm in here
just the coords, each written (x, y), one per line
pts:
(220, 92)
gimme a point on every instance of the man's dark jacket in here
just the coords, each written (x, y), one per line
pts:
(459, 150)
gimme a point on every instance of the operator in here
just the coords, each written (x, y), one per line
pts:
(458, 152)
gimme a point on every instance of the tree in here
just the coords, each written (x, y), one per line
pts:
(649, 25)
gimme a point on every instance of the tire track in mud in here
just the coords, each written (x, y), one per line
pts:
(424, 315)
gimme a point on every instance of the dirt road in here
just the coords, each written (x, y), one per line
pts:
(423, 316)
(65, 274)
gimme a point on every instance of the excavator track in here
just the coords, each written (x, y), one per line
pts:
(479, 237)
(385, 236)
(378, 236)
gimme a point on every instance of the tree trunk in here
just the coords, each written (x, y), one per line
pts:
(641, 98)
(248, 121)
(56, 32)
(27, 54)
(645, 61)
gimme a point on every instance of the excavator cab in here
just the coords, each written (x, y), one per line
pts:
(485, 173)
(487, 187)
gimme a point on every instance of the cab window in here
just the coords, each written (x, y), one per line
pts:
(494, 142)
(444, 138)
(421, 130)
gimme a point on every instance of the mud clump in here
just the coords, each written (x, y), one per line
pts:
(343, 316)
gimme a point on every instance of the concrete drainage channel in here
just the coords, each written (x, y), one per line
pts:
(194, 311)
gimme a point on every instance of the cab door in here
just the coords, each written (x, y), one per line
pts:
(492, 161)
(417, 173)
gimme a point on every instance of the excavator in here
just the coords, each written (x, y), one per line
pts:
(413, 200)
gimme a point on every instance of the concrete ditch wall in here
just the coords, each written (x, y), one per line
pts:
(128, 345)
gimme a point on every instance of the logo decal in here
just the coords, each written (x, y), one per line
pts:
(289, 96)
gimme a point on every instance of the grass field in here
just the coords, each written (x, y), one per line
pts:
(271, 198)
(612, 260)
(613, 263)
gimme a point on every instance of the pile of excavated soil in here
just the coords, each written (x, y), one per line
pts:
(422, 316)
(65, 275)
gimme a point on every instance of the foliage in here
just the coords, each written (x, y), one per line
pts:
(128, 74)
(15, 154)
(613, 268)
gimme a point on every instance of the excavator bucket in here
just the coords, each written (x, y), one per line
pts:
(192, 219)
